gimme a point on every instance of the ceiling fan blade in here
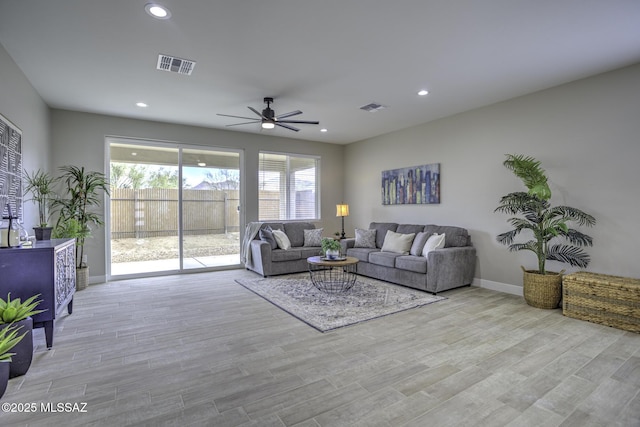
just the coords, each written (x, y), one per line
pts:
(306, 122)
(287, 126)
(292, 113)
(245, 123)
(237, 117)
(257, 112)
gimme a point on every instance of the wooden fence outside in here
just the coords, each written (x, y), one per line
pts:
(153, 212)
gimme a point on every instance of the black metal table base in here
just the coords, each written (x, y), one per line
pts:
(333, 280)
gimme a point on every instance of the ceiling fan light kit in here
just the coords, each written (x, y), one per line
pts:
(269, 120)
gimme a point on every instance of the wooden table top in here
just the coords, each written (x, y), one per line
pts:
(319, 260)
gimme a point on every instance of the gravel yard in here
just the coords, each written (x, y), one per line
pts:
(153, 248)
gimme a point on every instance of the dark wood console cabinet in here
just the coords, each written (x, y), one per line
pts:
(47, 268)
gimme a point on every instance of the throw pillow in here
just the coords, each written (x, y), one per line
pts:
(436, 241)
(365, 239)
(266, 235)
(313, 237)
(397, 243)
(418, 243)
(282, 239)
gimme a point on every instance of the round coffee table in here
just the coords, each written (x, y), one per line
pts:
(332, 276)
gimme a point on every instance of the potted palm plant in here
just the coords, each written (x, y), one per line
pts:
(78, 212)
(41, 186)
(544, 223)
(16, 313)
(9, 338)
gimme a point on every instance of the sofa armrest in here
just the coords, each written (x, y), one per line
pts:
(346, 244)
(260, 257)
(449, 268)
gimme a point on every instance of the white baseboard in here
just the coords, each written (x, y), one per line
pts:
(497, 286)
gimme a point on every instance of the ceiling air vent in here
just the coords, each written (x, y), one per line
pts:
(175, 65)
(373, 107)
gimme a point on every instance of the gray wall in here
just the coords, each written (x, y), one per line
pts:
(586, 134)
(79, 139)
(21, 104)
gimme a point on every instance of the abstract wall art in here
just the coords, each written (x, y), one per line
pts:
(10, 168)
(417, 185)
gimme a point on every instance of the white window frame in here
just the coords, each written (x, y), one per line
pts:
(287, 206)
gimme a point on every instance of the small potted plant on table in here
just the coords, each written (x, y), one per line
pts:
(330, 248)
(41, 186)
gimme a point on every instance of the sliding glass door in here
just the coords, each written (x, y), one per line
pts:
(172, 208)
(210, 208)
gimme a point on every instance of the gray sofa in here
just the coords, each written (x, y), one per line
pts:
(447, 268)
(267, 261)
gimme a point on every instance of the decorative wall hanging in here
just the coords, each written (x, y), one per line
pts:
(415, 185)
(10, 168)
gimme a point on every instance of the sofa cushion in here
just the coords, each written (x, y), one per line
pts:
(381, 230)
(279, 255)
(266, 235)
(313, 237)
(455, 236)
(397, 242)
(435, 241)
(361, 253)
(273, 225)
(282, 239)
(387, 259)
(295, 232)
(409, 228)
(418, 243)
(306, 252)
(413, 263)
(365, 239)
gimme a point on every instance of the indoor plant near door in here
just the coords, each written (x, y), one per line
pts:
(41, 186)
(15, 313)
(542, 288)
(82, 197)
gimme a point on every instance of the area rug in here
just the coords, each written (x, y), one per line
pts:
(368, 299)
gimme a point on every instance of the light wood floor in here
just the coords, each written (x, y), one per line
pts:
(198, 349)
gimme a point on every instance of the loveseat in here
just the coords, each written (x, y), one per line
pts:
(441, 269)
(268, 259)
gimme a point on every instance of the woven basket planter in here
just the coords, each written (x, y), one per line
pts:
(542, 290)
(82, 278)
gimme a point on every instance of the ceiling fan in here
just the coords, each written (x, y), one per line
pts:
(269, 120)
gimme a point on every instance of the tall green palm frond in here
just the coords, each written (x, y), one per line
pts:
(572, 255)
(538, 219)
(83, 194)
(529, 171)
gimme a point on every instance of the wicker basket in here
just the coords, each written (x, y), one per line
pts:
(82, 278)
(542, 290)
(599, 298)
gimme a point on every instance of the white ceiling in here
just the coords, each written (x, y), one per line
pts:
(324, 57)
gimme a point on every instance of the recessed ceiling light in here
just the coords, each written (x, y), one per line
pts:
(134, 154)
(202, 164)
(157, 11)
(142, 104)
(323, 130)
(423, 92)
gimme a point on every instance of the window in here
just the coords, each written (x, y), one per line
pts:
(288, 187)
